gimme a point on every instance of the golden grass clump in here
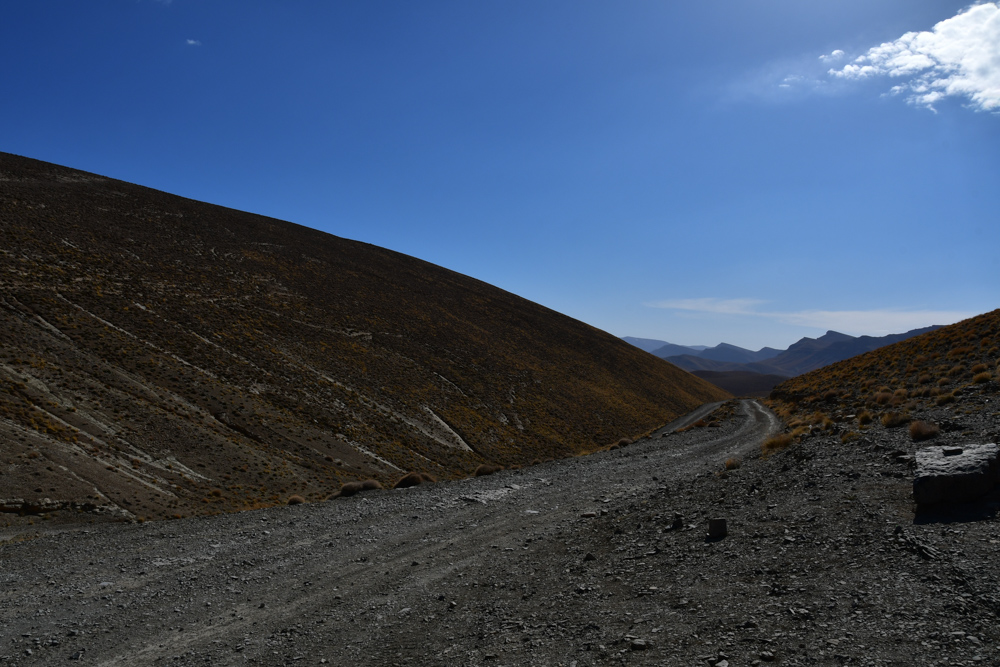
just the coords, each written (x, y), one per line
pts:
(945, 399)
(921, 430)
(733, 463)
(776, 443)
(895, 419)
(865, 418)
(883, 397)
(295, 500)
(980, 378)
(979, 368)
(487, 469)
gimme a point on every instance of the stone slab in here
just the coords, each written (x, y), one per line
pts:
(956, 474)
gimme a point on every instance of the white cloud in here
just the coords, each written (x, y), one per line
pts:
(193, 42)
(832, 56)
(958, 57)
(856, 322)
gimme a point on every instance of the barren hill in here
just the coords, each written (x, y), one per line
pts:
(163, 356)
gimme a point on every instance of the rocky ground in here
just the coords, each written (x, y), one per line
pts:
(594, 560)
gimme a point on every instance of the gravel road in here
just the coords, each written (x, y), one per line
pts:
(407, 576)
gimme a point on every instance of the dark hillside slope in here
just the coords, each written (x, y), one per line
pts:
(949, 371)
(163, 356)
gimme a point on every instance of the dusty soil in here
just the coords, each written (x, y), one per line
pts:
(602, 559)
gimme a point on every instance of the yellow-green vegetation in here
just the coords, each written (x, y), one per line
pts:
(190, 359)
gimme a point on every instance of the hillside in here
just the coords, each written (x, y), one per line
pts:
(166, 357)
(932, 378)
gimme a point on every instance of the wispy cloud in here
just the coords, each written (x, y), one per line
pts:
(958, 57)
(877, 322)
(718, 306)
(193, 42)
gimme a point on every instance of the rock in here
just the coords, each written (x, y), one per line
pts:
(639, 645)
(589, 557)
(767, 656)
(955, 475)
(717, 529)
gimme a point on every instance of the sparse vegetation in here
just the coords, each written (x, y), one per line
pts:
(895, 419)
(733, 463)
(921, 430)
(487, 469)
(776, 443)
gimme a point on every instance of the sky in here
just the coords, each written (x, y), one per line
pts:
(740, 171)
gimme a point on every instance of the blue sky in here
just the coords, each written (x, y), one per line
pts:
(748, 172)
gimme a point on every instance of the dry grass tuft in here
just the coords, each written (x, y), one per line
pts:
(980, 378)
(864, 418)
(408, 480)
(487, 469)
(776, 443)
(295, 500)
(370, 485)
(895, 419)
(733, 463)
(920, 430)
(945, 399)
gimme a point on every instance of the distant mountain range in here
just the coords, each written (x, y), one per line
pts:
(808, 354)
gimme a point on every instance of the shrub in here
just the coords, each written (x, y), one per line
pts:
(957, 369)
(487, 469)
(944, 399)
(295, 500)
(900, 392)
(733, 463)
(979, 378)
(924, 378)
(428, 479)
(883, 397)
(408, 480)
(625, 442)
(370, 485)
(895, 419)
(776, 443)
(979, 368)
(920, 430)
(864, 418)
(347, 490)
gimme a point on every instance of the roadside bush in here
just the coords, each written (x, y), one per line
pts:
(895, 420)
(370, 485)
(408, 480)
(920, 430)
(487, 469)
(776, 443)
(295, 500)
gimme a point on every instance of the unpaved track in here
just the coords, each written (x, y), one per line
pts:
(333, 581)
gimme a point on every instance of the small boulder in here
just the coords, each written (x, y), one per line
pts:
(956, 474)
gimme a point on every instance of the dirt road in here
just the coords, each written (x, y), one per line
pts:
(391, 576)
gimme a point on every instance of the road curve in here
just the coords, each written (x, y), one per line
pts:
(349, 580)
